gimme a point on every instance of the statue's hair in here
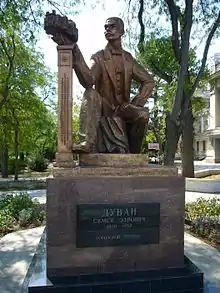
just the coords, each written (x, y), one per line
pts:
(119, 21)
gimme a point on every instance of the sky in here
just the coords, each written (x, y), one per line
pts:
(90, 24)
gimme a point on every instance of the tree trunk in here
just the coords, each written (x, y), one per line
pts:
(172, 137)
(156, 127)
(16, 150)
(4, 156)
(4, 162)
(187, 140)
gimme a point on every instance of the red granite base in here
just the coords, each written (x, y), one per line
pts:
(63, 195)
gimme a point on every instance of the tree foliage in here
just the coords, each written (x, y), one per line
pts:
(174, 24)
(157, 55)
(27, 122)
(27, 16)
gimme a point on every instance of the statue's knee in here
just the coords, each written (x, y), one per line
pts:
(90, 91)
(143, 116)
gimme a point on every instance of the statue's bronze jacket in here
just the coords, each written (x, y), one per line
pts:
(102, 76)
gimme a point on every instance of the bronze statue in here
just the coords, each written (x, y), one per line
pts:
(110, 122)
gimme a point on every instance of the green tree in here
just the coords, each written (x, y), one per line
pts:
(27, 16)
(21, 71)
(26, 123)
(76, 114)
(183, 19)
(157, 55)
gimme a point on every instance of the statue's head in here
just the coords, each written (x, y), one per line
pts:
(114, 28)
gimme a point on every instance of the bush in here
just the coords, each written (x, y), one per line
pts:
(19, 211)
(38, 163)
(208, 227)
(25, 216)
(202, 208)
(7, 222)
(4, 200)
(205, 218)
(11, 165)
(49, 154)
(17, 203)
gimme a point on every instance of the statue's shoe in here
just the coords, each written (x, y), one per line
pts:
(81, 148)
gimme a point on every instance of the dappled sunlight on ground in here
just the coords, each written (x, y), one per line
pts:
(207, 258)
(16, 252)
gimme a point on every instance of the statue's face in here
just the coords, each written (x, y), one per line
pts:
(112, 30)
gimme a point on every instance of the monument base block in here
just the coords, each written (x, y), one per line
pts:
(117, 230)
(64, 160)
(129, 171)
(102, 224)
(188, 279)
(113, 160)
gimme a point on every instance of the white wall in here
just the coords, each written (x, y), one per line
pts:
(217, 107)
(212, 112)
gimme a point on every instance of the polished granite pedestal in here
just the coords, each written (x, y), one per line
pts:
(115, 229)
(188, 279)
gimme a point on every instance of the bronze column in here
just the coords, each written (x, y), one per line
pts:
(64, 157)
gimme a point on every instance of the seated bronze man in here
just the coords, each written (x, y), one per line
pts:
(110, 122)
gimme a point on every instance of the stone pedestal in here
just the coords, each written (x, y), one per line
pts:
(117, 230)
(70, 211)
(113, 160)
(149, 171)
(64, 157)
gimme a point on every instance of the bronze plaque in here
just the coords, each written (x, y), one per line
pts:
(101, 225)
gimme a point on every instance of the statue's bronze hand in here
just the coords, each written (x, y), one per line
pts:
(61, 39)
(63, 30)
